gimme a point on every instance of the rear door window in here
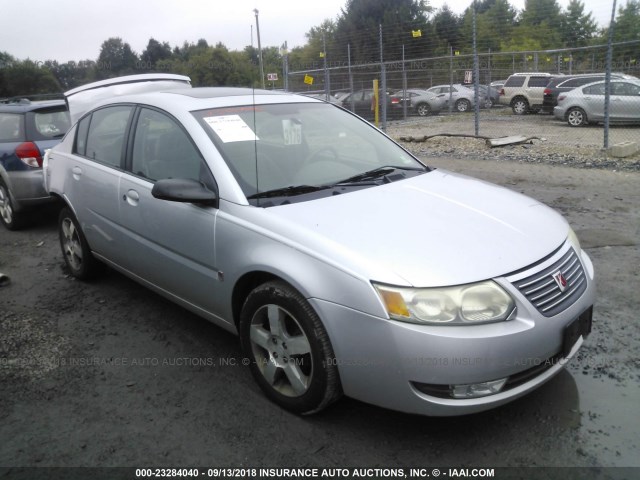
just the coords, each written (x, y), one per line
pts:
(515, 81)
(106, 136)
(597, 89)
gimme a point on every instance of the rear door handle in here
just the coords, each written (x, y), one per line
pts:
(131, 197)
(76, 172)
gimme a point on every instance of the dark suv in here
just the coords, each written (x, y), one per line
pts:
(27, 128)
(568, 83)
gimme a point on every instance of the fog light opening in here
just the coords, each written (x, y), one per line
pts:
(475, 390)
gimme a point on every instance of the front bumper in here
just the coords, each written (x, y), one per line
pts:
(386, 363)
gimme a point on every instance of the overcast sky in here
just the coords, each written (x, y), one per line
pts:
(66, 30)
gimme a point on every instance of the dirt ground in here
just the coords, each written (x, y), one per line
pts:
(109, 374)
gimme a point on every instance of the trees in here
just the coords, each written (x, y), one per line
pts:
(447, 28)
(116, 58)
(25, 77)
(628, 22)
(576, 26)
(495, 22)
(358, 26)
(154, 53)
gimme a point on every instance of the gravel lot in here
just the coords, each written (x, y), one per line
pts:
(557, 143)
(109, 374)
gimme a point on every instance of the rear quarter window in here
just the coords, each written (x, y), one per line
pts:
(11, 127)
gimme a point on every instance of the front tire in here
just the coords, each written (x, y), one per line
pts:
(463, 105)
(576, 117)
(8, 216)
(290, 354)
(75, 249)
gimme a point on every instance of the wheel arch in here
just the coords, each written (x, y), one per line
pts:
(245, 284)
(575, 107)
(518, 98)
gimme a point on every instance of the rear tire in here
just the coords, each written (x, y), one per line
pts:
(463, 105)
(423, 109)
(75, 249)
(576, 117)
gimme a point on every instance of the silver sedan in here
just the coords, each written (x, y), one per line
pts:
(344, 263)
(585, 105)
(422, 102)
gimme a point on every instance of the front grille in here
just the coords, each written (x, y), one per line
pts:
(544, 292)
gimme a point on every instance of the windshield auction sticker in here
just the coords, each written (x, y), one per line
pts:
(292, 131)
(231, 128)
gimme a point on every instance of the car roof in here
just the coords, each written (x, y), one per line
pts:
(634, 81)
(193, 99)
(540, 74)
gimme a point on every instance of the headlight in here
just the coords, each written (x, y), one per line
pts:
(472, 304)
(573, 239)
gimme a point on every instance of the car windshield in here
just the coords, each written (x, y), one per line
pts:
(297, 148)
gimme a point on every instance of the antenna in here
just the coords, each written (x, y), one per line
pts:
(259, 49)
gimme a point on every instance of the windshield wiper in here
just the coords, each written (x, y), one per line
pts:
(376, 173)
(288, 191)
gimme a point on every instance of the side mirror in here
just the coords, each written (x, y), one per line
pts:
(184, 190)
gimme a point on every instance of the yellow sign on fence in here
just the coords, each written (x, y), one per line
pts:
(308, 79)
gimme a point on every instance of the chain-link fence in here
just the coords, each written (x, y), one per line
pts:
(343, 78)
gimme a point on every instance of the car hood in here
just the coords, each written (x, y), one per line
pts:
(434, 229)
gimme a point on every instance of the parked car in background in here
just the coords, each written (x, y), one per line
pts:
(344, 263)
(27, 129)
(421, 102)
(491, 95)
(565, 84)
(585, 105)
(340, 94)
(497, 84)
(524, 92)
(461, 97)
(361, 102)
(322, 96)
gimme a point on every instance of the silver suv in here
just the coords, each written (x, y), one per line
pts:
(524, 92)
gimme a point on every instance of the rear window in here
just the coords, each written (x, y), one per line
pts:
(51, 124)
(11, 127)
(514, 82)
(538, 81)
